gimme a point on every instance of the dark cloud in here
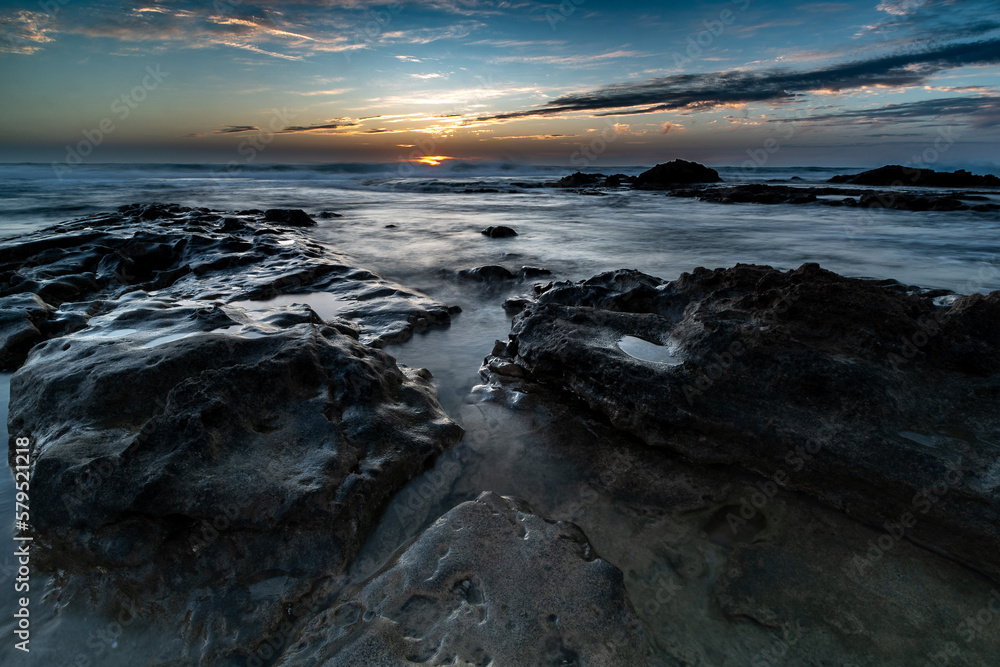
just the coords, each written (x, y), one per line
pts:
(713, 89)
(235, 129)
(329, 125)
(984, 111)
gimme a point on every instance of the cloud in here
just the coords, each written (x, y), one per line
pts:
(695, 92)
(24, 32)
(335, 124)
(569, 61)
(236, 129)
(983, 111)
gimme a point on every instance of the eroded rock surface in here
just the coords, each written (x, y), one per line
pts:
(53, 281)
(202, 451)
(877, 398)
(490, 583)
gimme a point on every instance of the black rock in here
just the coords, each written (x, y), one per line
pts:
(329, 214)
(498, 232)
(861, 393)
(674, 173)
(578, 180)
(487, 274)
(293, 217)
(896, 175)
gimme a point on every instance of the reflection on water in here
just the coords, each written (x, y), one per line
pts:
(657, 353)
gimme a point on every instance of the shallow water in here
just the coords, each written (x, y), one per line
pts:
(514, 447)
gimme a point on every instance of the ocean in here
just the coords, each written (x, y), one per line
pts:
(436, 214)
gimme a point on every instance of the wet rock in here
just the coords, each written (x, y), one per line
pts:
(230, 258)
(527, 272)
(896, 175)
(22, 319)
(489, 583)
(578, 180)
(291, 217)
(498, 232)
(215, 468)
(674, 173)
(756, 193)
(487, 274)
(873, 395)
(326, 215)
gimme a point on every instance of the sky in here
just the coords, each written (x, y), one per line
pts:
(580, 83)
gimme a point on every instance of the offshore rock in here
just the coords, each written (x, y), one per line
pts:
(896, 175)
(674, 173)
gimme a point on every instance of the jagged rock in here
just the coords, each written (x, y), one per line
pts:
(292, 217)
(498, 232)
(896, 175)
(213, 468)
(486, 274)
(578, 180)
(185, 254)
(674, 173)
(489, 583)
(880, 401)
(755, 193)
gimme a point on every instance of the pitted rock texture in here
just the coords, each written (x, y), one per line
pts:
(182, 471)
(877, 398)
(490, 583)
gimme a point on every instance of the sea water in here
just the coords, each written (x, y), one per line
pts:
(436, 216)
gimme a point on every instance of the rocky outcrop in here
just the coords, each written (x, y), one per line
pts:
(489, 583)
(213, 429)
(751, 194)
(486, 274)
(674, 173)
(52, 282)
(868, 395)
(896, 175)
(290, 217)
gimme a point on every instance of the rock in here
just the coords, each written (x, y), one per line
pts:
(578, 180)
(498, 232)
(292, 217)
(215, 468)
(486, 274)
(489, 583)
(22, 318)
(676, 172)
(896, 175)
(755, 193)
(102, 259)
(863, 394)
(532, 272)
(326, 215)
(905, 201)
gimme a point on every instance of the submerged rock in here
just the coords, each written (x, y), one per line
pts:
(896, 175)
(674, 173)
(864, 394)
(489, 583)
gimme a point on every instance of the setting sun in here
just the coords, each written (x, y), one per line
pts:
(433, 160)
